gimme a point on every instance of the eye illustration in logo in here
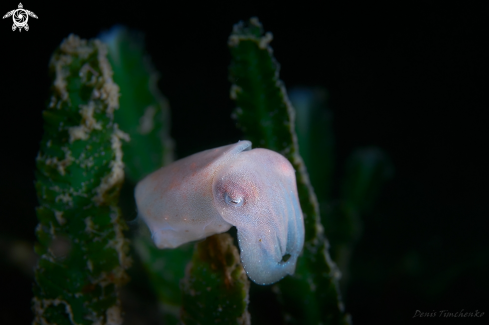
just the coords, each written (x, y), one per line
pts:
(20, 17)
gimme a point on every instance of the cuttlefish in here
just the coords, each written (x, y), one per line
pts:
(211, 191)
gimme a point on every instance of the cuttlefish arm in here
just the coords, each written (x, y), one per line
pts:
(207, 193)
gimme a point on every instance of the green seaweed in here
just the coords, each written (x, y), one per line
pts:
(366, 171)
(314, 128)
(265, 115)
(215, 288)
(81, 244)
(144, 115)
(144, 111)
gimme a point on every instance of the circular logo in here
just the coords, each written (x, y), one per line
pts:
(20, 17)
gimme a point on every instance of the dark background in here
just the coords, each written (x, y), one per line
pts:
(408, 77)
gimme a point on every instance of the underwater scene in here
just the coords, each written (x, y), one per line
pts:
(241, 164)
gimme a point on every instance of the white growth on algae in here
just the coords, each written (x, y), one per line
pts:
(110, 93)
(119, 242)
(41, 305)
(110, 90)
(146, 123)
(90, 265)
(235, 90)
(71, 46)
(116, 174)
(89, 226)
(59, 217)
(65, 198)
(255, 22)
(86, 162)
(60, 64)
(114, 316)
(265, 40)
(88, 123)
(60, 165)
(84, 74)
(74, 45)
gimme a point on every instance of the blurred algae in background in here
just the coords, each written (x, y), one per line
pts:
(366, 171)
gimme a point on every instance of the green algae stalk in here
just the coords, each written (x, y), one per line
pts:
(82, 249)
(144, 114)
(266, 117)
(366, 171)
(315, 138)
(215, 288)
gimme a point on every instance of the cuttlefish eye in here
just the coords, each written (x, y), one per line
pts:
(233, 200)
(233, 190)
